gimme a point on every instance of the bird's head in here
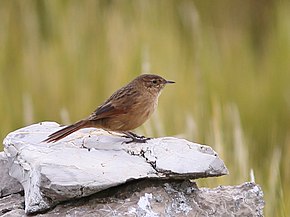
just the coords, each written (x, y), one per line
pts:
(153, 83)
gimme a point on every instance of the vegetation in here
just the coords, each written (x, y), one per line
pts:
(230, 61)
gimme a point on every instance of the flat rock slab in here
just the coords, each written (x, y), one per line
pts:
(154, 198)
(92, 160)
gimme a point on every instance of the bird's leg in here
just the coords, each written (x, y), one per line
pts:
(134, 137)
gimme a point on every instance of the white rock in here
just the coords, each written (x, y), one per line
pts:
(92, 160)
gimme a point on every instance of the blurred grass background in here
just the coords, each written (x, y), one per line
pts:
(230, 59)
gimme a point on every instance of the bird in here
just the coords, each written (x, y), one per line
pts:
(125, 110)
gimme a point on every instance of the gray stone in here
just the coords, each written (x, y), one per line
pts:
(11, 204)
(8, 184)
(92, 160)
(171, 198)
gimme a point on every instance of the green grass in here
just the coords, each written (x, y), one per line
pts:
(230, 60)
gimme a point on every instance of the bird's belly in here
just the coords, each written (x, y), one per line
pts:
(132, 119)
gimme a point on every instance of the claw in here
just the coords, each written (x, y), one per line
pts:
(135, 138)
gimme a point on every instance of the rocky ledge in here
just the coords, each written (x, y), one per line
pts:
(81, 171)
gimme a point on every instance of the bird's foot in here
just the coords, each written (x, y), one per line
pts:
(135, 138)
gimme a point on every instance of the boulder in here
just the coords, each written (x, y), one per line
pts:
(93, 160)
(154, 197)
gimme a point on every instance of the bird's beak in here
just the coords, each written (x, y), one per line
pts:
(170, 82)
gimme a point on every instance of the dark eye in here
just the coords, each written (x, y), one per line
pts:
(154, 81)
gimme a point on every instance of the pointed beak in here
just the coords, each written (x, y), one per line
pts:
(170, 82)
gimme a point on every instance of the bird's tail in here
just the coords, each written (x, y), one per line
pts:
(66, 131)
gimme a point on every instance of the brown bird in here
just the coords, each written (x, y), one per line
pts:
(127, 109)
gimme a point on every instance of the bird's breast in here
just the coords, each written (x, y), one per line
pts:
(143, 111)
(136, 112)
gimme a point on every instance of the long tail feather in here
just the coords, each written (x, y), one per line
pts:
(66, 131)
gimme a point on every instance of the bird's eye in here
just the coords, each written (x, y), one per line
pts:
(154, 81)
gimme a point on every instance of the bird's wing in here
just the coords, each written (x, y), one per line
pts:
(105, 111)
(116, 104)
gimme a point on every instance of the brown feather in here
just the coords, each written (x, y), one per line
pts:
(66, 131)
